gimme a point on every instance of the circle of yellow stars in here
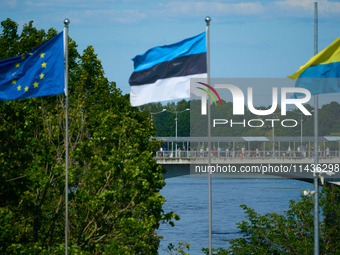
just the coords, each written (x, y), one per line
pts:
(41, 76)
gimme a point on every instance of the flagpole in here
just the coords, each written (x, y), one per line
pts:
(208, 20)
(316, 144)
(66, 22)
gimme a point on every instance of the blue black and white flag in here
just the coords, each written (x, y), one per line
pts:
(35, 74)
(163, 73)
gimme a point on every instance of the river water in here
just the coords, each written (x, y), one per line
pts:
(188, 197)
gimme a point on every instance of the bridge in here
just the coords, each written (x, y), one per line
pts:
(252, 155)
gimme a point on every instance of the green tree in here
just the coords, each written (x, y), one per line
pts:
(114, 202)
(165, 121)
(329, 121)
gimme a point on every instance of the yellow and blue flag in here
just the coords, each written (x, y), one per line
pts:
(35, 74)
(320, 75)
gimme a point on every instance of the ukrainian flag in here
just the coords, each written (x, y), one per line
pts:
(320, 75)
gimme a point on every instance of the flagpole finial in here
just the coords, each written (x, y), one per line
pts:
(207, 20)
(66, 22)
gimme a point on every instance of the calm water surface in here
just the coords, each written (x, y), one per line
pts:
(188, 197)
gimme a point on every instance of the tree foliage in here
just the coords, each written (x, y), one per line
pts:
(165, 121)
(192, 123)
(329, 120)
(114, 201)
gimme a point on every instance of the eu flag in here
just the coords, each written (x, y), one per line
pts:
(35, 74)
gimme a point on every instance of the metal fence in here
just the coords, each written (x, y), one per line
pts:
(245, 153)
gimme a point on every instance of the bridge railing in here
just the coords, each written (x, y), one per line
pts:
(245, 153)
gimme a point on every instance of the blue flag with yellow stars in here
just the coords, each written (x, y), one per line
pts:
(35, 74)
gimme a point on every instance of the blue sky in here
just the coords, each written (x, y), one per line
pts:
(248, 39)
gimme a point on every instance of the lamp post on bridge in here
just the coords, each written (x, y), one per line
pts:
(154, 113)
(273, 132)
(176, 122)
(300, 113)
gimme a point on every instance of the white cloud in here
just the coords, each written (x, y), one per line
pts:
(216, 8)
(12, 4)
(47, 5)
(107, 16)
(305, 7)
(135, 11)
(306, 4)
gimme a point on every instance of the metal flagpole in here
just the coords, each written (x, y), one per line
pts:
(176, 135)
(207, 20)
(66, 22)
(316, 144)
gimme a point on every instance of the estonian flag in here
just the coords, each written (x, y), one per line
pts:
(163, 73)
(320, 75)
